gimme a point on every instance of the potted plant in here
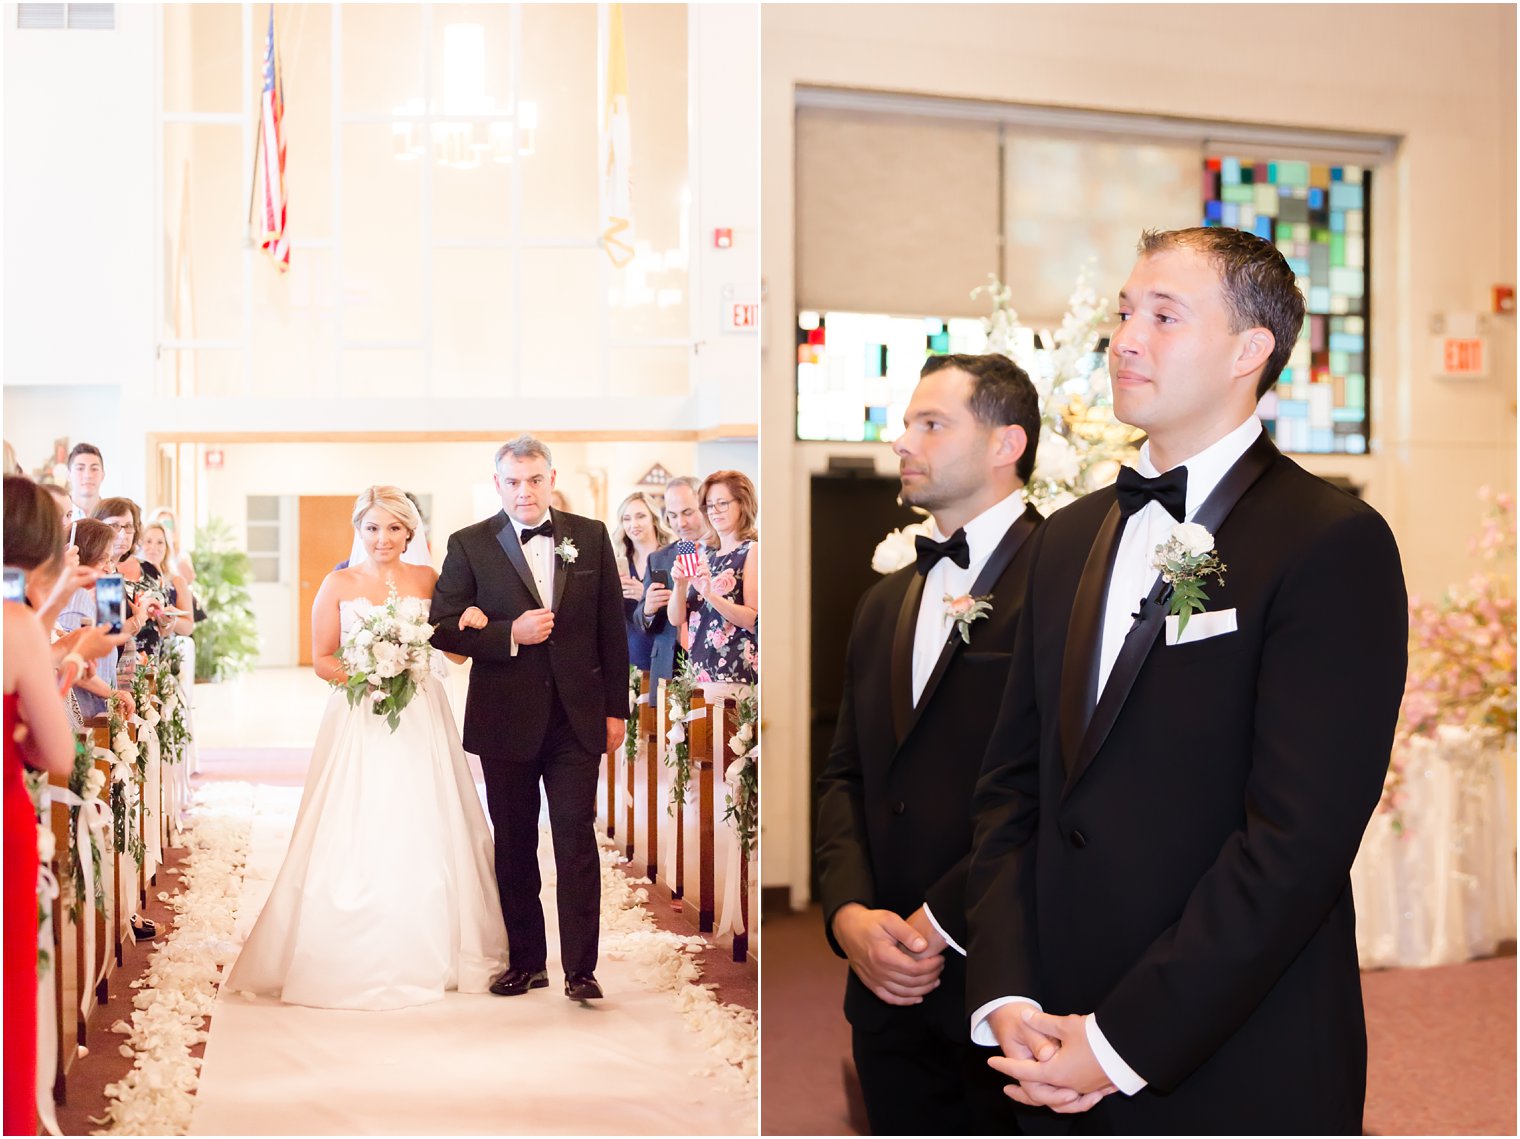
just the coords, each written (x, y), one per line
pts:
(227, 641)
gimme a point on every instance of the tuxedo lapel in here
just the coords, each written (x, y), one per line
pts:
(901, 695)
(511, 545)
(1142, 634)
(1084, 636)
(559, 568)
(1002, 556)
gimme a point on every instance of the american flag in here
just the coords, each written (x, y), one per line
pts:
(688, 559)
(269, 160)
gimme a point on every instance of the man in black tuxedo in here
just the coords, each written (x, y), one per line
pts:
(1167, 815)
(893, 838)
(683, 514)
(548, 694)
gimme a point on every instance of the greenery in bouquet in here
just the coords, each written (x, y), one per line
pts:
(1081, 445)
(743, 775)
(679, 690)
(1462, 647)
(388, 656)
(47, 887)
(631, 735)
(227, 641)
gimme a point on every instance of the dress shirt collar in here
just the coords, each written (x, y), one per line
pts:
(519, 527)
(986, 530)
(1205, 469)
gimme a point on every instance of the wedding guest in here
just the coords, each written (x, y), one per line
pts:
(123, 516)
(638, 535)
(87, 470)
(683, 518)
(153, 556)
(719, 608)
(179, 557)
(64, 503)
(37, 735)
(97, 693)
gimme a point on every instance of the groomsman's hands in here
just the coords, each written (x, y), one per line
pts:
(533, 626)
(615, 730)
(884, 952)
(1067, 1079)
(919, 920)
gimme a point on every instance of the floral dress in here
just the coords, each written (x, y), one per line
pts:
(721, 652)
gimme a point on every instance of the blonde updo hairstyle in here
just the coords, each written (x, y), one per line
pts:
(394, 502)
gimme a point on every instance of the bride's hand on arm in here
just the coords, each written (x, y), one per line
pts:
(326, 633)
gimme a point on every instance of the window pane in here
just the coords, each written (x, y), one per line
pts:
(263, 508)
(560, 179)
(472, 322)
(200, 372)
(383, 372)
(205, 232)
(561, 339)
(472, 179)
(305, 33)
(382, 66)
(382, 238)
(203, 53)
(293, 328)
(649, 371)
(472, 59)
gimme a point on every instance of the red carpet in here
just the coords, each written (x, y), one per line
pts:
(1441, 1042)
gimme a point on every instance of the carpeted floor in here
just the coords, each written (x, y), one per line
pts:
(1441, 1042)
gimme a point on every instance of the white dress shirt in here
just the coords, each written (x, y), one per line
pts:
(1128, 586)
(540, 555)
(983, 533)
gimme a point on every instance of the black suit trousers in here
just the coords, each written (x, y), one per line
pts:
(915, 1082)
(569, 773)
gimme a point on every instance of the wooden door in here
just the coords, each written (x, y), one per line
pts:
(326, 535)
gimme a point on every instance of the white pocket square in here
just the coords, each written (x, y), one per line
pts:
(1200, 627)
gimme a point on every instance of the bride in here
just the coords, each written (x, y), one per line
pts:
(387, 896)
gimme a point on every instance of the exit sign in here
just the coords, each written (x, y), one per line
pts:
(1461, 356)
(741, 316)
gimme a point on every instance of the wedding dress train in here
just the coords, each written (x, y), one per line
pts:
(387, 895)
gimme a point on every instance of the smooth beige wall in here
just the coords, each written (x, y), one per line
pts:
(1441, 77)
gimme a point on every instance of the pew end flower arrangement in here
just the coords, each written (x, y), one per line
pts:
(743, 775)
(679, 691)
(1462, 652)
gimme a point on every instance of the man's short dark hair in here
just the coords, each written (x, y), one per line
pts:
(1001, 396)
(86, 449)
(1259, 288)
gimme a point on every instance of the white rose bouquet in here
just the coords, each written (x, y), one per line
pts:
(388, 656)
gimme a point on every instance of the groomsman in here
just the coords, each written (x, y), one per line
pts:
(1167, 816)
(683, 514)
(87, 470)
(926, 664)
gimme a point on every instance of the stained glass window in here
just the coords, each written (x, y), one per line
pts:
(1316, 214)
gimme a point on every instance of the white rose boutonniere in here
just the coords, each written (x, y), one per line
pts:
(567, 551)
(896, 550)
(1185, 559)
(965, 609)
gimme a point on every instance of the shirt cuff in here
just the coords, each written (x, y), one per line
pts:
(513, 639)
(1120, 1074)
(981, 1031)
(939, 929)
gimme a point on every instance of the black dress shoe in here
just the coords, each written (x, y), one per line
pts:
(516, 982)
(582, 987)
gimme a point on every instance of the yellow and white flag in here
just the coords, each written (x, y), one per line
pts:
(617, 149)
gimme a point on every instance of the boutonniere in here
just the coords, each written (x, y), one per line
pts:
(1185, 559)
(567, 551)
(965, 609)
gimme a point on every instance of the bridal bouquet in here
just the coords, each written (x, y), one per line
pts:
(388, 655)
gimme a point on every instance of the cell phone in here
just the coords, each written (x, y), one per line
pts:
(110, 601)
(15, 584)
(659, 577)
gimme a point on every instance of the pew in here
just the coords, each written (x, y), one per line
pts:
(66, 948)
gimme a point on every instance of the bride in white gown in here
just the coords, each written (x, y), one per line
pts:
(387, 895)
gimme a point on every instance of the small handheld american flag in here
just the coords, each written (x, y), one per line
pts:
(688, 559)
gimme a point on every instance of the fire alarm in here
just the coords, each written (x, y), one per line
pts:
(214, 459)
(1504, 299)
(723, 238)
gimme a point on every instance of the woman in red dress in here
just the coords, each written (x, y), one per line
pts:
(36, 734)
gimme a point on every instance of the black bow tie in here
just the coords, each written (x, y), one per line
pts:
(547, 530)
(953, 547)
(1170, 490)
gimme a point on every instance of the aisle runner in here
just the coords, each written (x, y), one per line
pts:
(643, 1061)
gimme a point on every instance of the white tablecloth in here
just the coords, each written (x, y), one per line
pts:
(1443, 891)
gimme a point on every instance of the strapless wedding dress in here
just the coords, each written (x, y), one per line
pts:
(387, 895)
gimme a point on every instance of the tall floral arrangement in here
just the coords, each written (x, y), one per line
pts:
(743, 775)
(1081, 445)
(679, 691)
(1462, 647)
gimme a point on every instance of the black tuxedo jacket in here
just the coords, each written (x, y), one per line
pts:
(585, 659)
(662, 658)
(894, 798)
(1176, 859)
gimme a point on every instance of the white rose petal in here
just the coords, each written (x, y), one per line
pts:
(1193, 538)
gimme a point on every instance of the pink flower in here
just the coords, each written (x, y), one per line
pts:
(961, 605)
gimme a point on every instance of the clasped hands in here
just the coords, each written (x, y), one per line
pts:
(1049, 1056)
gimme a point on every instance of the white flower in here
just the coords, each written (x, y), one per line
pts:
(736, 745)
(94, 781)
(896, 550)
(746, 731)
(567, 551)
(47, 845)
(363, 637)
(1193, 538)
(1056, 460)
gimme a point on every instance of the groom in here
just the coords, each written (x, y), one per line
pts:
(1167, 816)
(548, 695)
